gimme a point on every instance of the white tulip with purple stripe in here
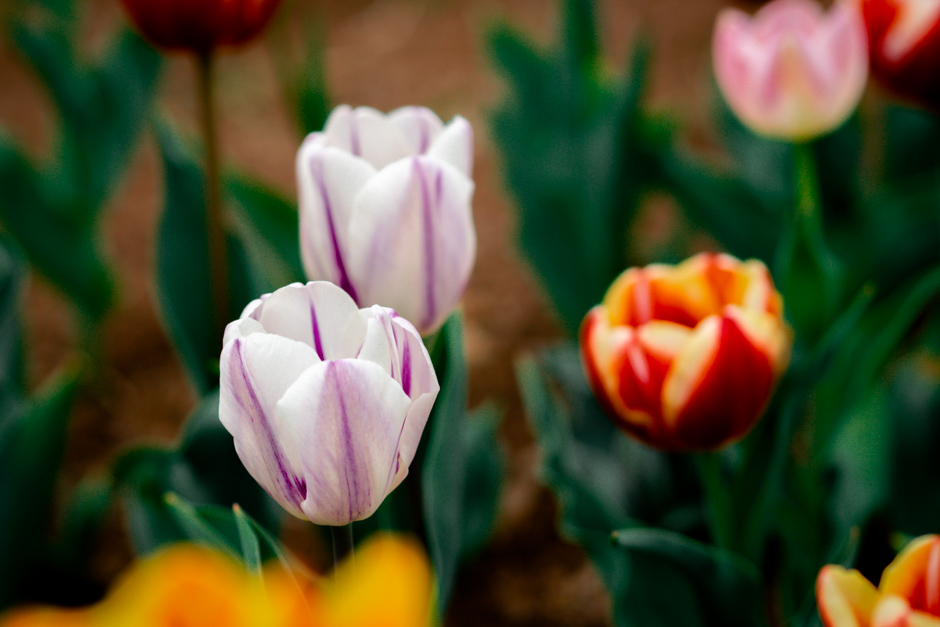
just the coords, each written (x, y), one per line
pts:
(385, 209)
(326, 402)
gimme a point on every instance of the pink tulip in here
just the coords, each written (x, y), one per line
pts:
(792, 71)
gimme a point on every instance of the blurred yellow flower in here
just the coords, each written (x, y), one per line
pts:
(388, 584)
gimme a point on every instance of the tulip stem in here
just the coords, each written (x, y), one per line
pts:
(342, 543)
(215, 220)
(718, 504)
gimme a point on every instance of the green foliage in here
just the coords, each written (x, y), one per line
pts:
(608, 486)
(262, 254)
(574, 152)
(462, 469)
(52, 207)
(32, 442)
(202, 469)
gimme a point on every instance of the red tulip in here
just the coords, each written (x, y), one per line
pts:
(905, 46)
(199, 25)
(685, 357)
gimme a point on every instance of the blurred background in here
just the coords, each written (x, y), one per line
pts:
(384, 54)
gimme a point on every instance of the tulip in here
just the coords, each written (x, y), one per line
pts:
(326, 402)
(791, 72)
(908, 595)
(685, 357)
(905, 46)
(385, 209)
(391, 584)
(199, 25)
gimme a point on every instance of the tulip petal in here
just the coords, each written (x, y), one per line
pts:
(366, 133)
(893, 611)
(915, 574)
(390, 584)
(717, 386)
(348, 417)
(256, 371)
(455, 145)
(413, 240)
(328, 180)
(419, 125)
(319, 314)
(845, 598)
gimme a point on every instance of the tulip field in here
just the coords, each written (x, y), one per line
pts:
(415, 313)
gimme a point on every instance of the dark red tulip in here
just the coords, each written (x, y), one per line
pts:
(905, 46)
(199, 25)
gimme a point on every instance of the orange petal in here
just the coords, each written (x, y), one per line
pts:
(914, 575)
(388, 584)
(893, 611)
(845, 598)
(46, 617)
(184, 586)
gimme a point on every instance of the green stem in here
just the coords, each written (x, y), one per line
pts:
(717, 499)
(342, 543)
(215, 220)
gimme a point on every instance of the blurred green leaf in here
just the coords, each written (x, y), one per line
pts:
(251, 549)
(485, 470)
(443, 474)
(32, 447)
(722, 204)
(268, 224)
(52, 208)
(573, 156)
(682, 582)
(182, 265)
(203, 470)
(60, 248)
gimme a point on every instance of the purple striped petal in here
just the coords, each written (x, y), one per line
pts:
(419, 126)
(328, 180)
(455, 145)
(347, 417)
(319, 314)
(412, 240)
(366, 133)
(256, 371)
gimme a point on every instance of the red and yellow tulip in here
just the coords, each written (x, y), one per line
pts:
(908, 595)
(389, 584)
(685, 357)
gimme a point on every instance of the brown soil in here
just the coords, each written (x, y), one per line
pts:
(384, 54)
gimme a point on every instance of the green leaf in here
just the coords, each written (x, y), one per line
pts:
(677, 581)
(203, 471)
(32, 455)
(721, 204)
(251, 549)
(573, 156)
(182, 267)
(196, 526)
(268, 224)
(443, 474)
(485, 469)
(12, 281)
(87, 509)
(63, 250)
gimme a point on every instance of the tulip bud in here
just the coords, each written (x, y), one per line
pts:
(908, 595)
(385, 209)
(685, 357)
(904, 36)
(326, 402)
(791, 72)
(199, 25)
